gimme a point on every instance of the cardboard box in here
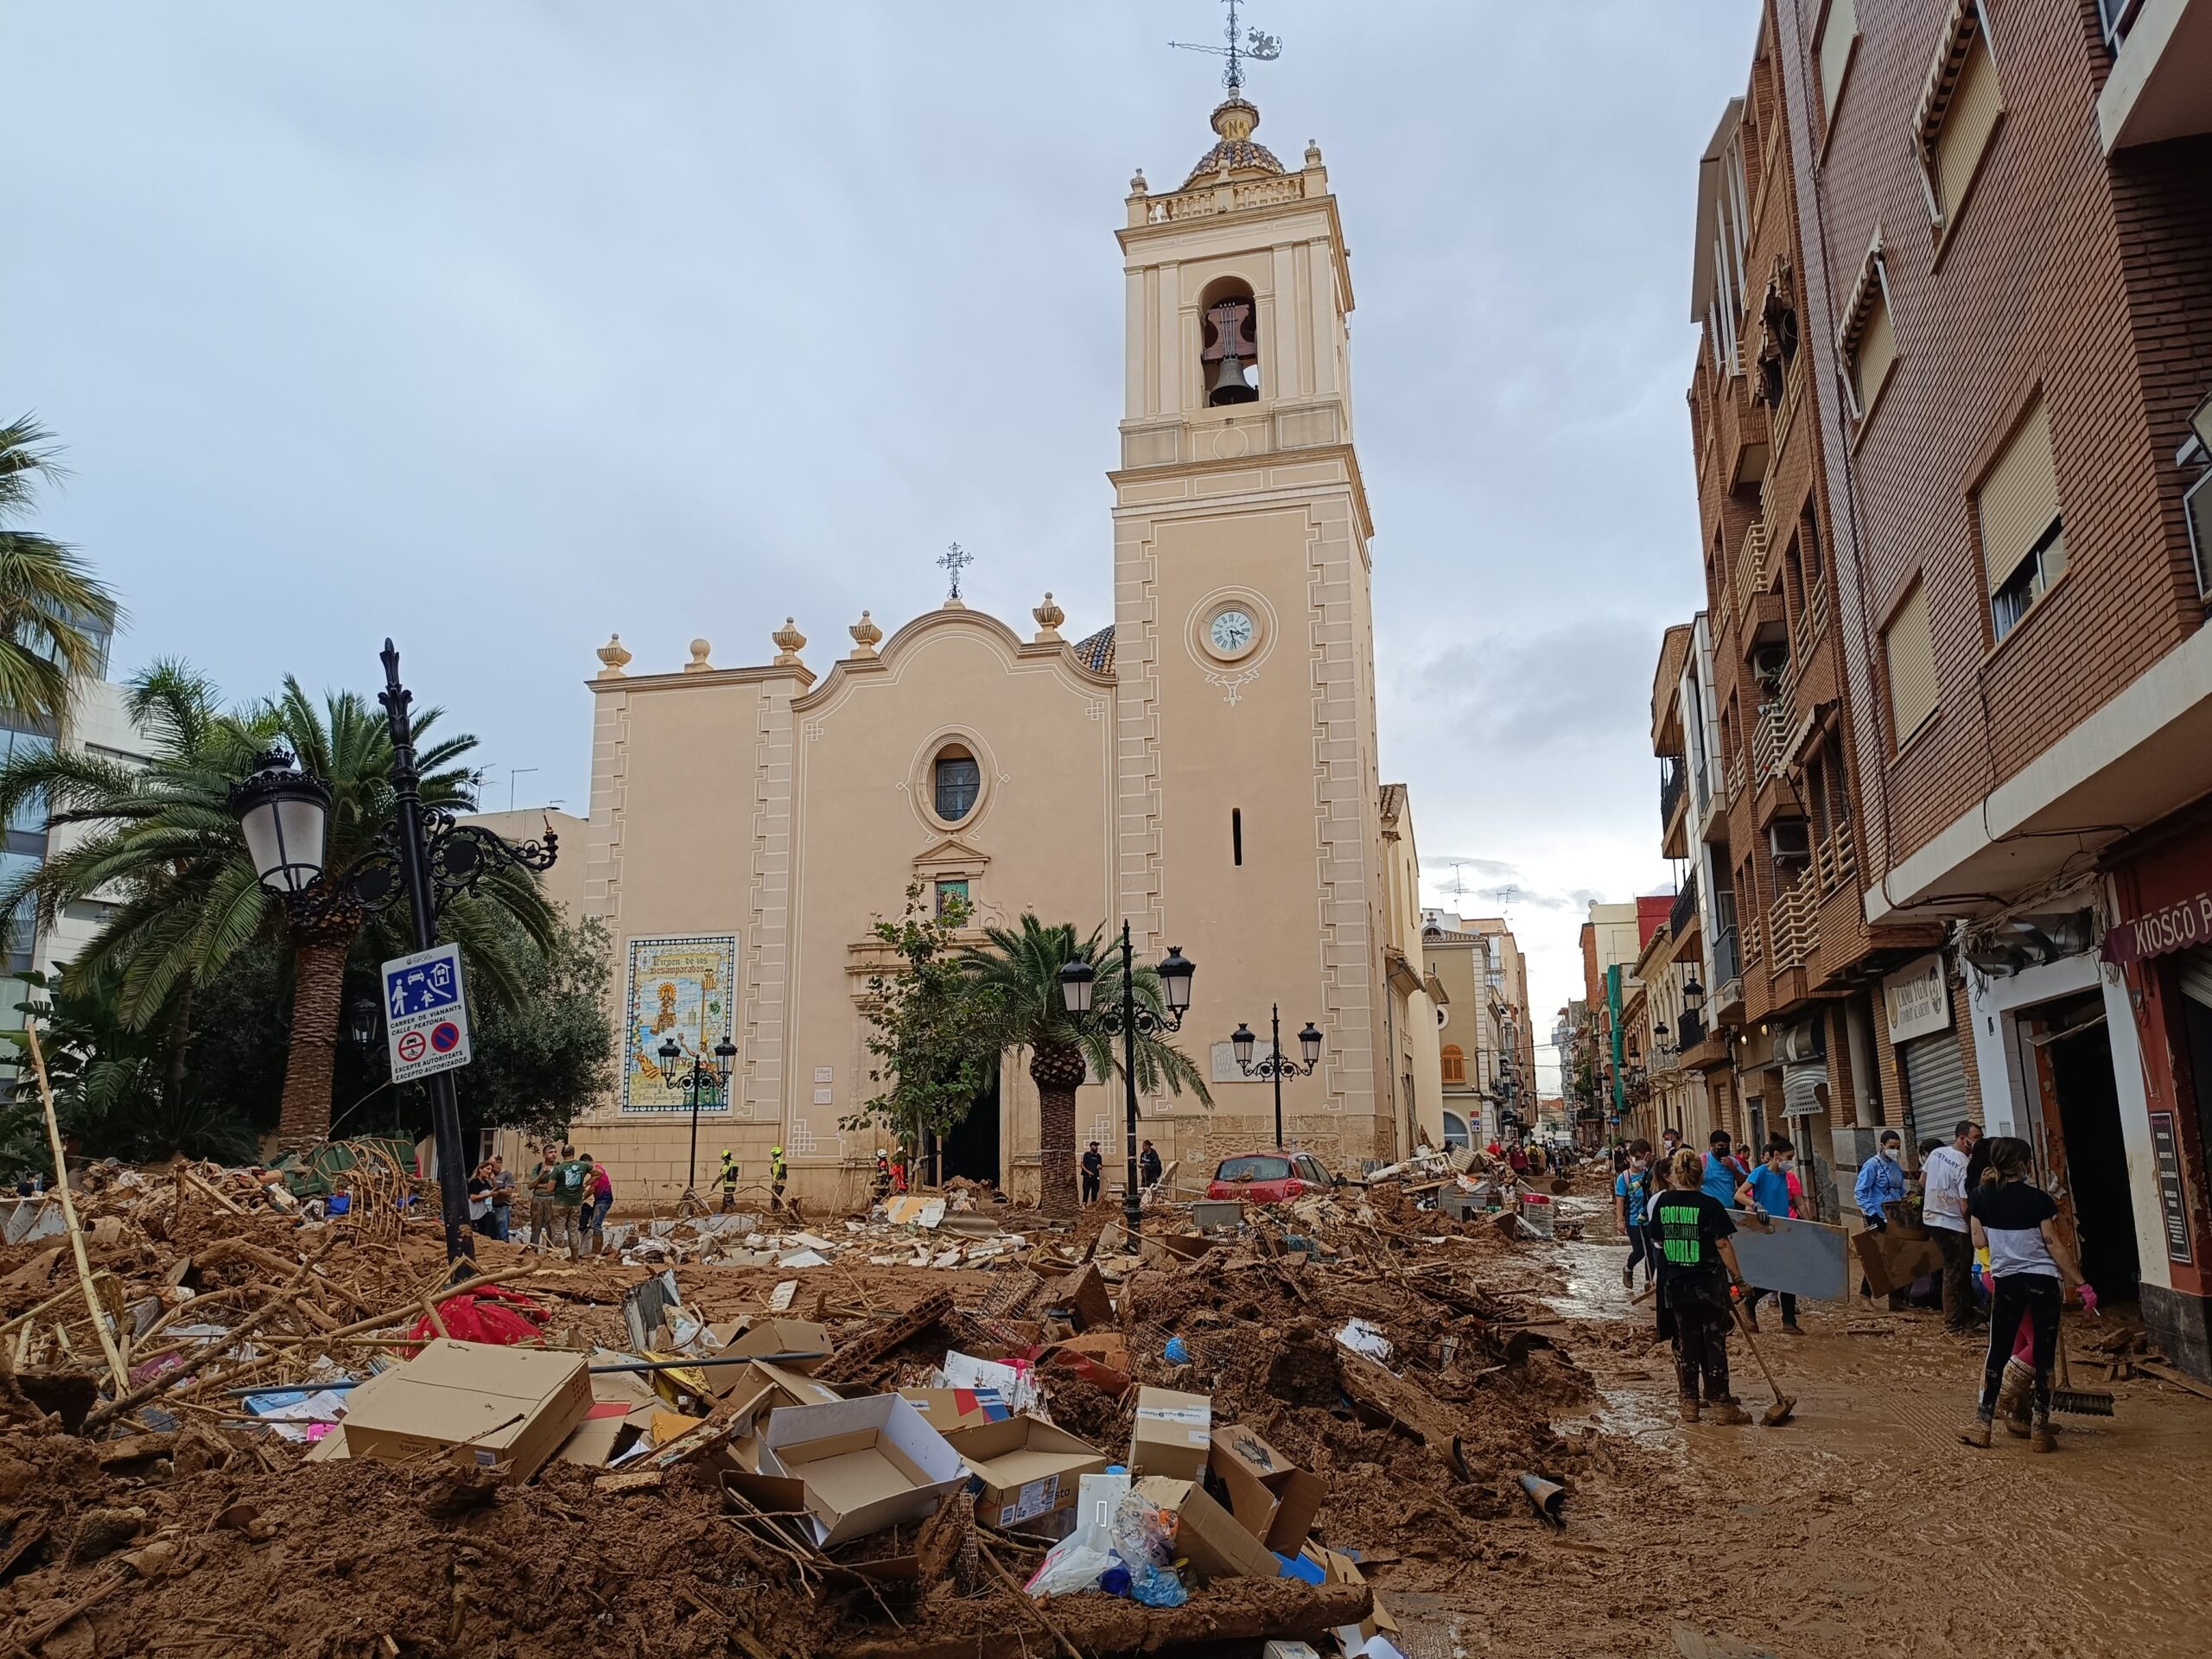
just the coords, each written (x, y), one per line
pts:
(622, 1401)
(763, 1388)
(1272, 1497)
(512, 1405)
(1172, 1435)
(949, 1410)
(1377, 1626)
(803, 1338)
(1029, 1468)
(1083, 1296)
(856, 1465)
(1892, 1260)
(1207, 1536)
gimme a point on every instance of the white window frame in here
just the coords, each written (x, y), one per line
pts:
(1849, 358)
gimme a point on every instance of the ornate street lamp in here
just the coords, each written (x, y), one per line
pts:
(283, 814)
(702, 1082)
(1078, 981)
(1277, 1065)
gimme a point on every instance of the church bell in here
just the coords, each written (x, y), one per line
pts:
(1228, 385)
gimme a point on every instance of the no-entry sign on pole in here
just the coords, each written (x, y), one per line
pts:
(426, 1016)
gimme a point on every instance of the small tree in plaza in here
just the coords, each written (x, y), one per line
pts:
(1020, 972)
(932, 1036)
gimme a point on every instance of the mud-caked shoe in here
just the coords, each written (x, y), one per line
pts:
(1687, 1407)
(2045, 1437)
(1978, 1434)
(1728, 1412)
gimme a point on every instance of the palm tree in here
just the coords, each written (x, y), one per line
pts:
(1019, 973)
(54, 614)
(164, 837)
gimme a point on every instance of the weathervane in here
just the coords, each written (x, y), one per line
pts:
(1247, 43)
(955, 560)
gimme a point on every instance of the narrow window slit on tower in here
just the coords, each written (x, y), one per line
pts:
(1237, 834)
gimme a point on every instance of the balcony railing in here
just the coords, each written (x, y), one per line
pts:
(1735, 775)
(1837, 859)
(1689, 1030)
(1751, 568)
(1795, 922)
(1770, 737)
(1673, 778)
(1685, 908)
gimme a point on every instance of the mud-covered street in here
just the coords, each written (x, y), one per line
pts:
(1863, 1527)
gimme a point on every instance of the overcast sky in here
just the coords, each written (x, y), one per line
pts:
(497, 325)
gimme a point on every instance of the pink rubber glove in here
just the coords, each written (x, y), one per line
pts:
(2088, 1295)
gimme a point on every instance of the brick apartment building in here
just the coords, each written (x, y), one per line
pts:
(1966, 638)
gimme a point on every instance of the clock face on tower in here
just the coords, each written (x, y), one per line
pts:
(1231, 632)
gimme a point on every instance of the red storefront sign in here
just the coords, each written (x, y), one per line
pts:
(2180, 925)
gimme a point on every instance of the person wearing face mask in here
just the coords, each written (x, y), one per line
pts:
(1766, 1189)
(1631, 1197)
(1723, 1174)
(1881, 1182)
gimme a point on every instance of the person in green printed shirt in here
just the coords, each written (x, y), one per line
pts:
(1697, 1273)
(567, 1182)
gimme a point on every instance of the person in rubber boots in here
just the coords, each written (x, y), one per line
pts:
(1694, 1230)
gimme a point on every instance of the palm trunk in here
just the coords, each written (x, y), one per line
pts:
(180, 1035)
(1057, 1073)
(318, 981)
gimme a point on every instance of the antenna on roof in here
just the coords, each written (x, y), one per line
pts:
(1247, 43)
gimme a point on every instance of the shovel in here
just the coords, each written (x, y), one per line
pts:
(1778, 1413)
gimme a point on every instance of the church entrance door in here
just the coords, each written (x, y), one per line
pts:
(971, 1147)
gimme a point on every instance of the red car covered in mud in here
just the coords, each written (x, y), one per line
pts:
(1268, 1177)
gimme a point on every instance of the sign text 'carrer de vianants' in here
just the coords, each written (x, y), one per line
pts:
(2179, 926)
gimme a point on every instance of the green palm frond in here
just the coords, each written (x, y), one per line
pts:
(52, 607)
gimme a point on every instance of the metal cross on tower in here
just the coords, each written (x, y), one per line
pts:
(955, 560)
(1242, 44)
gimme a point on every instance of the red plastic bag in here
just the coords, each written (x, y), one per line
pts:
(489, 1315)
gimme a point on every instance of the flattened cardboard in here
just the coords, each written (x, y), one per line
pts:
(517, 1404)
(1272, 1497)
(1341, 1569)
(1173, 1436)
(765, 1388)
(1892, 1260)
(1206, 1535)
(1029, 1469)
(864, 1464)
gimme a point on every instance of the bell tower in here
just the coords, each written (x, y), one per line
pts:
(1249, 828)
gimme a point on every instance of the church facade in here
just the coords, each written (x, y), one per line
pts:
(1204, 767)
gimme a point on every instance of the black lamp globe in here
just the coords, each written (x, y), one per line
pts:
(1077, 980)
(670, 1053)
(1241, 1040)
(1175, 971)
(1309, 1042)
(1692, 993)
(725, 1055)
(283, 812)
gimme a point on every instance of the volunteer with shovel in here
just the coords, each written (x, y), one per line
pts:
(1694, 1229)
(2032, 1270)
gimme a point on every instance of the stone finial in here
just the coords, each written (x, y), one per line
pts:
(1049, 617)
(789, 642)
(613, 655)
(699, 665)
(1312, 153)
(866, 636)
(1137, 185)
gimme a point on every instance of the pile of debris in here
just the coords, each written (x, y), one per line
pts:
(1258, 1425)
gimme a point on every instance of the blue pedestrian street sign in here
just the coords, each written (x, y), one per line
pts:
(426, 1015)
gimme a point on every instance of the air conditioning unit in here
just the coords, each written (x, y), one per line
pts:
(1767, 663)
(1805, 1042)
(1789, 841)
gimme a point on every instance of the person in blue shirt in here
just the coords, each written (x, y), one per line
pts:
(1631, 1194)
(1766, 1191)
(1723, 1175)
(1880, 1180)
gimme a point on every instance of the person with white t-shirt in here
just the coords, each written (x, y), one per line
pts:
(1944, 1207)
(2031, 1269)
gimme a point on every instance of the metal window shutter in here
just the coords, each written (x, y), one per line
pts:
(1877, 350)
(1836, 36)
(1798, 1085)
(2194, 970)
(2019, 499)
(1937, 1095)
(1911, 653)
(1968, 122)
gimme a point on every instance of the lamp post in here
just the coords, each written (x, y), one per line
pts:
(1079, 980)
(1277, 1065)
(422, 854)
(700, 1081)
